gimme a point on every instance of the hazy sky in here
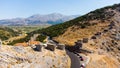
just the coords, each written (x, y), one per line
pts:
(26, 8)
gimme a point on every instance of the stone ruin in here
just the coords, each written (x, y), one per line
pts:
(51, 47)
(48, 46)
(61, 46)
(79, 43)
(77, 47)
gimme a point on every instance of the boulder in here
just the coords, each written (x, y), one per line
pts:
(93, 37)
(98, 33)
(105, 31)
(117, 36)
(112, 24)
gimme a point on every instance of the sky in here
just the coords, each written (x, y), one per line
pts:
(25, 8)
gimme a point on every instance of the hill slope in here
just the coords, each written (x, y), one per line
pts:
(83, 26)
(6, 33)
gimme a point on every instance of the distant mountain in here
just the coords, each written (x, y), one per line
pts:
(38, 19)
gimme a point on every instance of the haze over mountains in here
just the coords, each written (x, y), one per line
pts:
(49, 19)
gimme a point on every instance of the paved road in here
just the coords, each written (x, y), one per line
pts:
(75, 63)
(86, 59)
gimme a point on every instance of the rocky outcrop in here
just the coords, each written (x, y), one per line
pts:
(26, 57)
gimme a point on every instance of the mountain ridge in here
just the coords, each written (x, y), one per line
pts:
(37, 19)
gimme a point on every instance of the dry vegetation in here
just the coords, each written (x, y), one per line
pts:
(75, 33)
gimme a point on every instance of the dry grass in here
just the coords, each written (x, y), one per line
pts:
(75, 33)
(102, 61)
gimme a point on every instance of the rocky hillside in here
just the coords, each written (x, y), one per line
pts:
(26, 57)
(99, 32)
(38, 19)
(102, 34)
(89, 24)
